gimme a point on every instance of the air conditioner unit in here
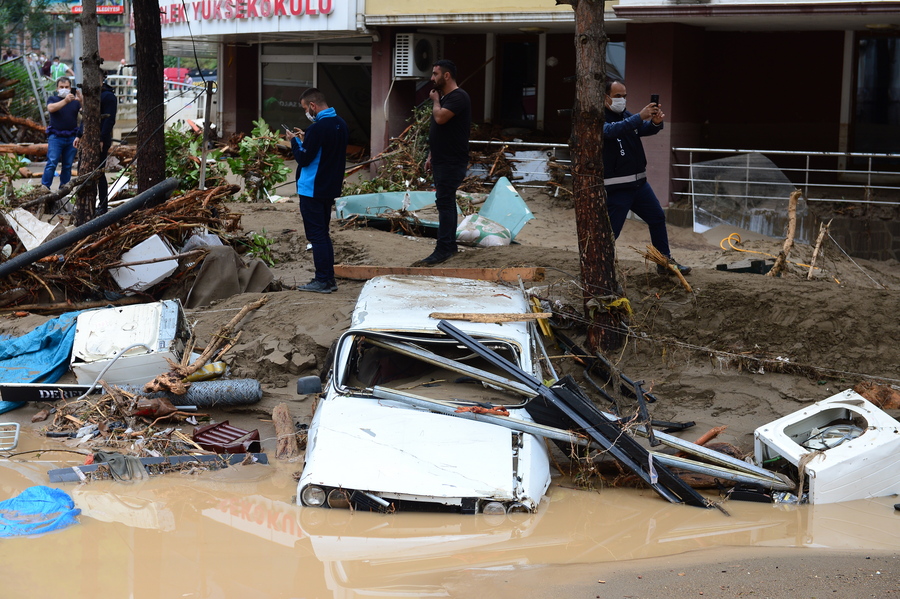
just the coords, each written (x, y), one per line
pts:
(414, 54)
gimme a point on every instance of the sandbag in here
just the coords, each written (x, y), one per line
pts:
(483, 232)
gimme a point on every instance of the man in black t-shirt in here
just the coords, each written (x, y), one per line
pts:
(448, 157)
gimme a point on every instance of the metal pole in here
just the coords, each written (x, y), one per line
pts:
(206, 128)
(41, 101)
(806, 182)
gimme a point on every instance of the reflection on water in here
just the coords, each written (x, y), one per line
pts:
(236, 533)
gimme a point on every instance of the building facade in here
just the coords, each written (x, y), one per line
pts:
(792, 74)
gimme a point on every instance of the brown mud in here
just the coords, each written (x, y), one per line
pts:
(741, 350)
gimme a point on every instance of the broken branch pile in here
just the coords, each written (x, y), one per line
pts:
(82, 272)
(113, 421)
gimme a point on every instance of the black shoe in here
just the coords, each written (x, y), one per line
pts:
(684, 270)
(435, 258)
(318, 287)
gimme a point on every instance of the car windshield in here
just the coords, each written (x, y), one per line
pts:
(431, 366)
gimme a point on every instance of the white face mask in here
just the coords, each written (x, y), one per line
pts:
(311, 118)
(617, 105)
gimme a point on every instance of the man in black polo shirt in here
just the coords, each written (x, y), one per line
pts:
(61, 134)
(448, 157)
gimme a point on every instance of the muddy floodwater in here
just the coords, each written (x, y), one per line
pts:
(237, 533)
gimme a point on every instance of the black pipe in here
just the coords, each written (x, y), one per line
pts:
(160, 192)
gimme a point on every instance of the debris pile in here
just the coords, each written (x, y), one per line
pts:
(83, 271)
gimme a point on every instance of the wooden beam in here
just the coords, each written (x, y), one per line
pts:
(509, 275)
(497, 317)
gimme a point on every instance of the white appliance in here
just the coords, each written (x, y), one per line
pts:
(849, 446)
(160, 328)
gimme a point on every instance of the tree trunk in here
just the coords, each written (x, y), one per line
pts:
(151, 143)
(89, 146)
(596, 243)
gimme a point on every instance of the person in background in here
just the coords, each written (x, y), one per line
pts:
(448, 155)
(625, 169)
(61, 134)
(109, 104)
(321, 155)
(124, 69)
(60, 69)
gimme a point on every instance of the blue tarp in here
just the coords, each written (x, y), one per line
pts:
(35, 511)
(379, 206)
(39, 356)
(504, 205)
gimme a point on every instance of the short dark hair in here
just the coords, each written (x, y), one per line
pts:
(314, 95)
(447, 66)
(610, 79)
(56, 58)
(66, 79)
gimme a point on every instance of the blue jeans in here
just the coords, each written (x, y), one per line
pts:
(447, 179)
(60, 148)
(316, 214)
(640, 199)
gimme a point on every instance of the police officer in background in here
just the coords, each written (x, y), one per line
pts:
(625, 169)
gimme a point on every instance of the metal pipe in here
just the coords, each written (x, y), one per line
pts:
(522, 426)
(719, 472)
(780, 152)
(524, 144)
(565, 436)
(722, 459)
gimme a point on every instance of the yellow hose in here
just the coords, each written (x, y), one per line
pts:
(736, 238)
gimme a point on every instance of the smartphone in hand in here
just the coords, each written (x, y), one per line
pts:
(654, 99)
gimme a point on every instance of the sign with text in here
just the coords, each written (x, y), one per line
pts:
(105, 7)
(230, 10)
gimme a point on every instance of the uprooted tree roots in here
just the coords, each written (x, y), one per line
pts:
(82, 271)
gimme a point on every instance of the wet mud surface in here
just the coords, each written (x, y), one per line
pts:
(741, 351)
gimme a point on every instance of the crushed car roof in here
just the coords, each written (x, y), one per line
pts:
(383, 298)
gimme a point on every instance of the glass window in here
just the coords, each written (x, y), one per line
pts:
(282, 84)
(876, 126)
(345, 49)
(288, 49)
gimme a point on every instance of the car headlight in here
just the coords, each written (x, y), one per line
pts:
(517, 508)
(312, 496)
(338, 499)
(493, 508)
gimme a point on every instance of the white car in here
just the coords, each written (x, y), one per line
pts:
(385, 435)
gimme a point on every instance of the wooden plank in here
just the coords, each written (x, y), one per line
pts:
(509, 275)
(286, 444)
(496, 317)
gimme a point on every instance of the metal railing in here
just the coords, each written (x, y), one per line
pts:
(821, 176)
(184, 101)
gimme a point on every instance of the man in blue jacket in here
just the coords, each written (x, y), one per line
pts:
(625, 169)
(320, 153)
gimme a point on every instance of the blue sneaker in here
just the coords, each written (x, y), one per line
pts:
(317, 286)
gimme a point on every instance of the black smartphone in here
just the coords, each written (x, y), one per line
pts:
(654, 99)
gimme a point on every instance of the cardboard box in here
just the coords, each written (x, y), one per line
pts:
(161, 328)
(144, 276)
